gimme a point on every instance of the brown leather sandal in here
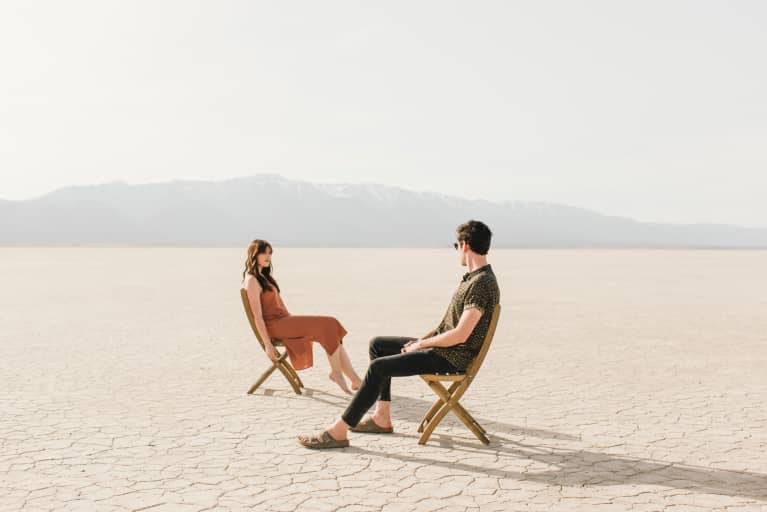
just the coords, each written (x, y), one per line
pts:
(322, 441)
(368, 426)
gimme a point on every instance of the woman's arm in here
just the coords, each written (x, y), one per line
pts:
(254, 299)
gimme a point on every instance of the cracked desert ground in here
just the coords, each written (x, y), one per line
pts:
(620, 380)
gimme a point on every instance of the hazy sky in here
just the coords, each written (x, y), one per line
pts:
(651, 109)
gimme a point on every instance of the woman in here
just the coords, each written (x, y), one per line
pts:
(296, 332)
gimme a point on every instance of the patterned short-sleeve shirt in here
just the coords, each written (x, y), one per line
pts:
(478, 289)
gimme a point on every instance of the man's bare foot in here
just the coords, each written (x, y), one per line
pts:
(381, 421)
(338, 378)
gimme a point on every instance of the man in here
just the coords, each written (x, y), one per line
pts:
(450, 348)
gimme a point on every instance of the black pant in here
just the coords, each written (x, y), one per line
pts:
(387, 361)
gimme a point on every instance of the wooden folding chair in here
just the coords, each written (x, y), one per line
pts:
(449, 398)
(281, 363)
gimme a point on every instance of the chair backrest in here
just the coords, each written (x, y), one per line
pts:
(474, 367)
(249, 313)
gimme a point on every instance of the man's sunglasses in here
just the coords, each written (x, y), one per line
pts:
(456, 245)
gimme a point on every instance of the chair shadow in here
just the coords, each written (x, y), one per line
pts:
(572, 468)
(412, 410)
(583, 468)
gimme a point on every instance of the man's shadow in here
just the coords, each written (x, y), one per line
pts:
(412, 410)
(569, 467)
(583, 468)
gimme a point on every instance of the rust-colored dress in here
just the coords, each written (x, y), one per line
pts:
(298, 332)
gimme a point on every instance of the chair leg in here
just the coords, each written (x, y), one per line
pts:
(435, 407)
(447, 404)
(292, 378)
(449, 401)
(430, 414)
(285, 368)
(470, 423)
(294, 373)
(261, 379)
(441, 413)
(480, 427)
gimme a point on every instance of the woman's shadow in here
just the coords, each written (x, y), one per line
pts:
(570, 467)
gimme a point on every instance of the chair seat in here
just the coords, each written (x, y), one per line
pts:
(432, 377)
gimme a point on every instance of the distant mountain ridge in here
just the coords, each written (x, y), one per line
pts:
(296, 213)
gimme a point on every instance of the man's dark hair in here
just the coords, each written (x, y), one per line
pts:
(476, 234)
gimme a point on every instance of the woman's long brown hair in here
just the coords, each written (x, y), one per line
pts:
(264, 277)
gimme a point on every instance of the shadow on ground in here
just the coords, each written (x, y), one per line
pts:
(412, 410)
(570, 467)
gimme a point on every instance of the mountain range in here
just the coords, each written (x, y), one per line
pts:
(296, 213)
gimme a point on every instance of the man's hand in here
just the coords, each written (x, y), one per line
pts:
(413, 346)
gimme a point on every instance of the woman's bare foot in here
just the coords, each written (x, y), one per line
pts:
(356, 383)
(338, 378)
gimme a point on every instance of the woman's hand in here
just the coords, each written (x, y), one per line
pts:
(271, 352)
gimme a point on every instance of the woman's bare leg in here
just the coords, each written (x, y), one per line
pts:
(336, 370)
(348, 369)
